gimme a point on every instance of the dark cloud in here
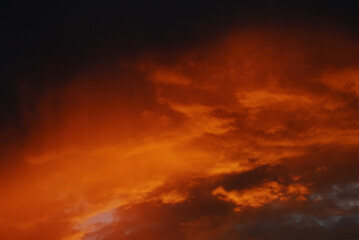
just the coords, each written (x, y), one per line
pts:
(330, 212)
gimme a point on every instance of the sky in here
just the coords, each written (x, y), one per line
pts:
(179, 121)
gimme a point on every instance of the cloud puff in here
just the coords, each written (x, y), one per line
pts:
(260, 195)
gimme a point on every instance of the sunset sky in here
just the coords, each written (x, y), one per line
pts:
(179, 121)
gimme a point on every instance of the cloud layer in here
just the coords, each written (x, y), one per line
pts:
(254, 135)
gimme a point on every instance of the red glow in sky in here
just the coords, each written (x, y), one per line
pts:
(250, 136)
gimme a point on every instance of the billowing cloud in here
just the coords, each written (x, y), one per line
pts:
(255, 135)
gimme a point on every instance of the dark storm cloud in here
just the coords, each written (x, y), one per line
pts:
(330, 212)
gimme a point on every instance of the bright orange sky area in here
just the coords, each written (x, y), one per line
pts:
(253, 135)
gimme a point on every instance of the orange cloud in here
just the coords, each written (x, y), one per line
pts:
(263, 194)
(107, 144)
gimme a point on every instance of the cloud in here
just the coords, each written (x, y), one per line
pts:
(249, 136)
(260, 195)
